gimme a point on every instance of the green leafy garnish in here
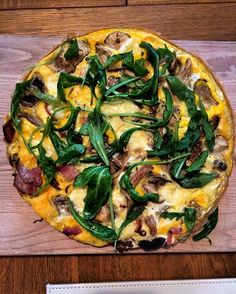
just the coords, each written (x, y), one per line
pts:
(73, 51)
(95, 132)
(208, 227)
(132, 215)
(99, 182)
(189, 215)
(96, 229)
(198, 163)
(198, 180)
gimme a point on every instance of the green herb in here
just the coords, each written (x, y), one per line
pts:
(177, 167)
(71, 120)
(96, 229)
(166, 57)
(96, 135)
(132, 215)
(208, 227)
(189, 215)
(73, 50)
(154, 59)
(124, 138)
(117, 58)
(65, 81)
(136, 66)
(198, 180)
(198, 163)
(99, 182)
(183, 93)
(117, 86)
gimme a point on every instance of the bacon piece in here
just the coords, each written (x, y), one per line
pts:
(72, 231)
(8, 130)
(69, 172)
(27, 180)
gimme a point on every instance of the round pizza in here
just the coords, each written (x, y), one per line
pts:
(121, 138)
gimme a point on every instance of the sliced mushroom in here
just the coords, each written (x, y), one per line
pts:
(111, 81)
(151, 223)
(69, 66)
(38, 83)
(118, 163)
(196, 151)
(204, 92)
(185, 70)
(221, 144)
(33, 119)
(102, 53)
(116, 40)
(61, 204)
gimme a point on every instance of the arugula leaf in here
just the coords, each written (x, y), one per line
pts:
(166, 115)
(69, 153)
(65, 81)
(99, 182)
(95, 75)
(124, 138)
(132, 215)
(208, 129)
(198, 163)
(183, 93)
(46, 163)
(45, 97)
(172, 215)
(177, 167)
(73, 50)
(96, 229)
(208, 227)
(96, 135)
(136, 66)
(154, 59)
(199, 180)
(117, 58)
(189, 215)
(165, 56)
(117, 86)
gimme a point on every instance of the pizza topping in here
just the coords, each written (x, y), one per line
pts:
(116, 40)
(33, 119)
(67, 60)
(220, 165)
(124, 246)
(221, 144)
(38, 83)
(102, 53)
(185, 70)
(203, 91)
(8, 130)
(14, 159)
(72, 231)
(26, 180)
(215, 121)
(103, 215)
(140, 174)
(154, 244)
(151, 223)
(69, 172)
(61, 204)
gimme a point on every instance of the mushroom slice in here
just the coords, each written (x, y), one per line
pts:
(203, 91)
(102, 53)
(68, 66)
(185, 70)
(221, 144)
(61, 204)
(116, 40)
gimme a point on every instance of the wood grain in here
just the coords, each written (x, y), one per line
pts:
(31, 274)
(198, 22)
(23, 236)
(21, 4)
(156, 2)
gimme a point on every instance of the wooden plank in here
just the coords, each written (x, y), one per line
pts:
(26, 4)
(199, 22)
(156, 2)
(19, 235)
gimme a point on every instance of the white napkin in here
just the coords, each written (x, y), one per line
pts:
(215, 286)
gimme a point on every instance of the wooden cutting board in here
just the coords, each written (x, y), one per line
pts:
(19, 233)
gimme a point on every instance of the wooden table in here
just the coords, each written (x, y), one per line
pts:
(176, 19)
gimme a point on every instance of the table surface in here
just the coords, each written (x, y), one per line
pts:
(175, 19)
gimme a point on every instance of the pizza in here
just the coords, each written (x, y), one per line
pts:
(121, 138)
